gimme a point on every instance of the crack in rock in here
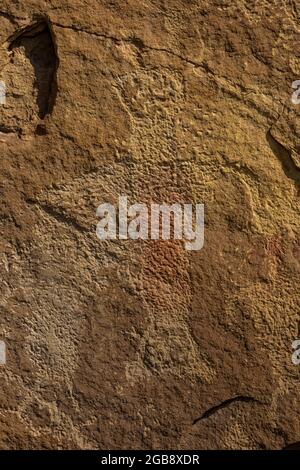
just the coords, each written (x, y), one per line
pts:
(37, 42)
(60, 217)
(214, 409)
(30, 78)
(285, 157)
(137, 42)
(8, 17)
(293, 446)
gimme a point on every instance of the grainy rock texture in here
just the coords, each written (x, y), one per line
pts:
(135, 344)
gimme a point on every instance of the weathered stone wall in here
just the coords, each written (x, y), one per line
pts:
(135, 344)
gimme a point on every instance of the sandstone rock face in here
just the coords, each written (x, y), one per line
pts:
(142, 344)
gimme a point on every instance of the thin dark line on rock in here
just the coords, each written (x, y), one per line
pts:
(59, 216)
(224, 404)
(284, 156)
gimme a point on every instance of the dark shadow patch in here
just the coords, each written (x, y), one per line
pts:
(294, 446)
(284, 156)
(41, 130)
(224, 404)
(38, 42)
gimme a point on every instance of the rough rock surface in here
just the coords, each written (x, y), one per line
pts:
(134, 344)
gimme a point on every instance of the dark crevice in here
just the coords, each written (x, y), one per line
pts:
(41, 130)
(294, 446)
(10, 130)
(135, 41)
(284, 156)
(38, 42)
(9, 17)
(224, 404)
(59, 216)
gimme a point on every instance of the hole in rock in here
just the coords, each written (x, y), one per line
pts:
(35, 44)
